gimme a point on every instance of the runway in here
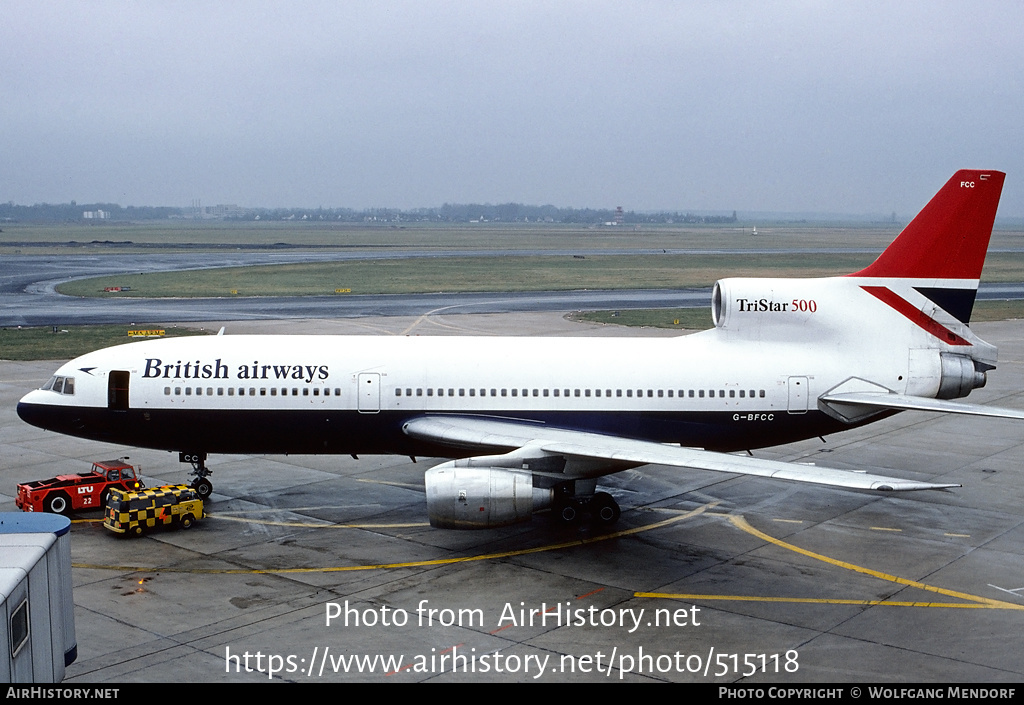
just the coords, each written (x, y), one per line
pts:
(28, 295)
(706, 577)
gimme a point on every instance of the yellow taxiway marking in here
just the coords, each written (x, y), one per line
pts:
(821, 601)
(406, 485)
(309, 525)
(973, 601)
(885, 528)
(411, 564)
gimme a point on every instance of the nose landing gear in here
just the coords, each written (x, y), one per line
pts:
(202, 486)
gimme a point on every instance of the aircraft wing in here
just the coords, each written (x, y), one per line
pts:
(886, 400)
(528, 440)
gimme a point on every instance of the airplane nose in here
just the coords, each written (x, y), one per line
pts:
(32, 411)
(29, 413)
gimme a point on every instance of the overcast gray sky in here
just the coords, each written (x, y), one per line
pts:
(859, 107)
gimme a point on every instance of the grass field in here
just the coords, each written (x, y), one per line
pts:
(458, 274)
(41, 343)
(700, 318)
(44, 344)
(192, 235)
(511, 273)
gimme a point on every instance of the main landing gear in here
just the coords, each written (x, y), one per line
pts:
(202, 486)
(601, 508)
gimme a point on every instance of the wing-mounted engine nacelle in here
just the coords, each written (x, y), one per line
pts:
(481, 498)
(959, 375)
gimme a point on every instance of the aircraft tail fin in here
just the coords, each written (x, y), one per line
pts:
(949, 238)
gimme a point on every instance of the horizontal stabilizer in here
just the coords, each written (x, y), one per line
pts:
(489, 434)
(884, 400)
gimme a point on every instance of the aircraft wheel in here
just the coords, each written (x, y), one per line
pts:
(203, 487)
(58, 503)
(604, 508)
(567, 513)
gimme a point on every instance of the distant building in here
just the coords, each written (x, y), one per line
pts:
(226, 211)
(98, 215)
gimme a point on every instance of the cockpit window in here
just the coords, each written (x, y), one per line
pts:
(61, 385)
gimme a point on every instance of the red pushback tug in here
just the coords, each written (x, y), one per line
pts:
(87, 490)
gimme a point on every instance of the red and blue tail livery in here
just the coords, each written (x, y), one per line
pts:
(532, 424)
